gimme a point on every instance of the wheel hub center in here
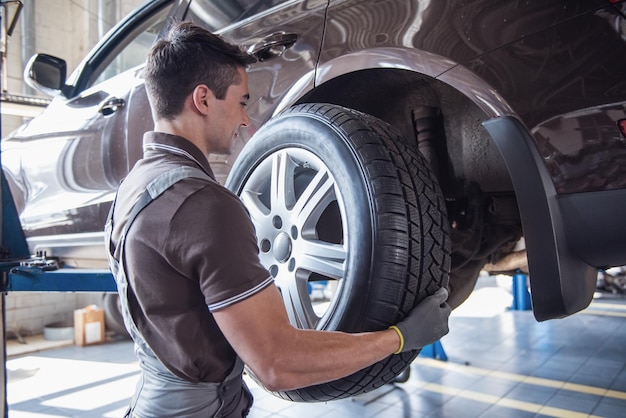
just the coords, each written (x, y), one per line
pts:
(282, 247)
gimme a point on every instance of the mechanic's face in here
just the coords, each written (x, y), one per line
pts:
(230, 115)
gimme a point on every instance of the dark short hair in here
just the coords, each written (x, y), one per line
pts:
(188, 56)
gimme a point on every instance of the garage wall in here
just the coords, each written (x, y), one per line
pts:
(27, 313)
(66, 29)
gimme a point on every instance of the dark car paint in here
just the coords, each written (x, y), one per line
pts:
(510, 58)
(546, 78)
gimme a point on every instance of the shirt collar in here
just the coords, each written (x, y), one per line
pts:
(177, 145)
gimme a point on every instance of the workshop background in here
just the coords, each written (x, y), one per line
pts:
(498, 361)
(66, 29)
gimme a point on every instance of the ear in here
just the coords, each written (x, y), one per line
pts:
(202, 98)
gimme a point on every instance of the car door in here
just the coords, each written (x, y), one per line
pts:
(284, 35)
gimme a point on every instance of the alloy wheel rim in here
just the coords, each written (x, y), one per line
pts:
(299, 216)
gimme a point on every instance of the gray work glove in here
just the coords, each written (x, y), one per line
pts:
(426, 323)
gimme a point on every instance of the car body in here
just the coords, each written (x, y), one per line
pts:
(519, 109)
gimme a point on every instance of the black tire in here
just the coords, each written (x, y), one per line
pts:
(374, 229)
(113, 318)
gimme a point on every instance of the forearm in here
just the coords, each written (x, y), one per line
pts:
(284, 357)
(314, 357)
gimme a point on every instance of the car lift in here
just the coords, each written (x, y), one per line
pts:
(21, 272)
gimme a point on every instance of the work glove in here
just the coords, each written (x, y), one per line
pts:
(425, 324)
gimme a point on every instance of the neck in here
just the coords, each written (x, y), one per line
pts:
(190, 130)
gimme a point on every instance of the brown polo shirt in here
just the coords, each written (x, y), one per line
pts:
(191, 251)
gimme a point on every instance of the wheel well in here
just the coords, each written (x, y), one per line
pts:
(482, 209)
(467, 152)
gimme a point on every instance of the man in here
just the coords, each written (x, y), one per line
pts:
(195, 298)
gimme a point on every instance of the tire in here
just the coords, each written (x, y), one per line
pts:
(113, 318)
(354, 230)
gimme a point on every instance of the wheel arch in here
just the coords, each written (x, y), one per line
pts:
(420, 62)
(389, 83)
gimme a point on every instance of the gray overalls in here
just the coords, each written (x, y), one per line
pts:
(159, 392)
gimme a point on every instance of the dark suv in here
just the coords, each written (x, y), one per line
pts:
(394, 145)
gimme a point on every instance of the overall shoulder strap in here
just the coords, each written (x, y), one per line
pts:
(167, 179)
(153, 190)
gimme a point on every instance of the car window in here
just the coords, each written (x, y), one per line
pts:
(132, 50)
(216, 14)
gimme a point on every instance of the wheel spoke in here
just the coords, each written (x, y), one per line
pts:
(282, 177)
(287, 301)
(257, 209)
(295, 293)
(323, 258)
(315, 198)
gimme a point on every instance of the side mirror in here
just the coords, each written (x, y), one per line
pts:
(46, 74)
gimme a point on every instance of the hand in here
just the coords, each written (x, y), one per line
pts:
(426, 323)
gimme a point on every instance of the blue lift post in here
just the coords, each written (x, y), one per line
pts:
(434, 350)
(521, 295)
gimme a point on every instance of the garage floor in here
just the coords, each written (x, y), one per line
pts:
(501, 363)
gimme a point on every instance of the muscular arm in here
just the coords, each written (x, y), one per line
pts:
(284, 357)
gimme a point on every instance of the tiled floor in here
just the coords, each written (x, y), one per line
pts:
(501, 363)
